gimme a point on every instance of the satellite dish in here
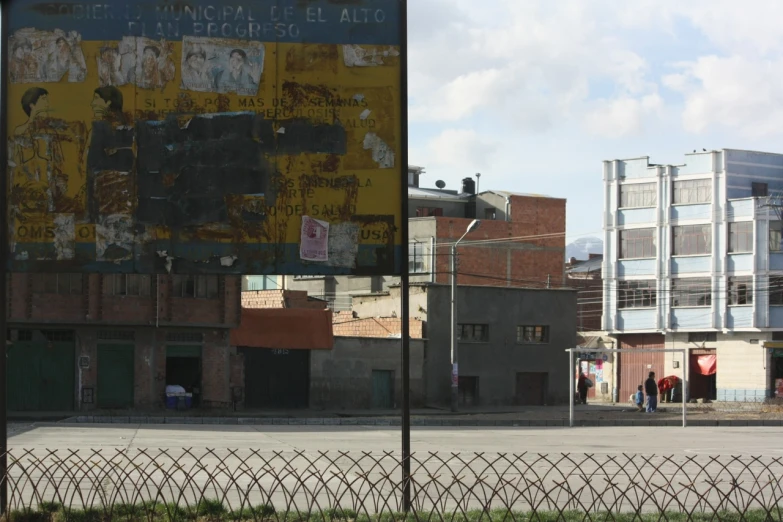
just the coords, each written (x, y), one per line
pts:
(440, 183)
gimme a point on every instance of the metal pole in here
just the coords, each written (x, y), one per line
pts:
(683, 395)
(454, 350)
(4, 35)
(571, 388)
(404, 271)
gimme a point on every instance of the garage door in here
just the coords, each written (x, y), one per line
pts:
(634, 365)
(276, 379)
(41, 376)
(115, 376)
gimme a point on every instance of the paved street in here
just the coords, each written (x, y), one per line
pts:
(603, 467)
(661, 441)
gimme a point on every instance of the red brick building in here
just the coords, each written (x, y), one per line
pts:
(86, 342)
(525, 250)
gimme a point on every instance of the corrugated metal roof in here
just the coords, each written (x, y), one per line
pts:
(416, 192)
(284, 329)
(591, 265)
(507, 193)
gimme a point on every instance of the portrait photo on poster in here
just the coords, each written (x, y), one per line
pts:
(221, 65)
(37, 56)
(314, 244)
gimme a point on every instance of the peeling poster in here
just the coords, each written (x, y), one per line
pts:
(314, 241)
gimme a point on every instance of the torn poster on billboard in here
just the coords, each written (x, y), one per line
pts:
(315, 239)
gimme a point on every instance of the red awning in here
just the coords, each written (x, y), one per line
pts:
(284, 329)
(707, 364)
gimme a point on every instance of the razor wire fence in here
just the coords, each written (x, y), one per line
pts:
(141, 484)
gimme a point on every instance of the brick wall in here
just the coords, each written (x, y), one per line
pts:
(345, 325)
(280, 299)
(92, 306)
(524, 262)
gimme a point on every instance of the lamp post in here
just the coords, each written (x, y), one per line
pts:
(454, 352)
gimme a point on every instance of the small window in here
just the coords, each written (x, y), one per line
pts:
(638, 195)
(490, 213)
(202, 287)
(741, 237)
(759, 190)
(692, 191)
(638, 243)
(417, 262)
(127, 284)
(692, 240)
(691, 292)
(63, 284)
(473, 333)
(533, 334)
(775, 236)
(702, 337)
(740, 291)
(429, 211)
(636, 294)
(776, 290)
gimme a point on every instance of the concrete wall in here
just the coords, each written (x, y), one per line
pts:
(450, 208)
(341, 378)
(490, 200)
(388, 305)
(497, 362)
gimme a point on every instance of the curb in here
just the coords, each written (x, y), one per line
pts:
(331, 421)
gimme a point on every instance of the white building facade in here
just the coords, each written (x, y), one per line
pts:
(693, 259)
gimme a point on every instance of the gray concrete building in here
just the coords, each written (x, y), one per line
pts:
(511, 348)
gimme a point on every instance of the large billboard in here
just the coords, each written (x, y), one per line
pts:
(258, 137)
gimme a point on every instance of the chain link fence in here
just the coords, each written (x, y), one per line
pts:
(300, 486)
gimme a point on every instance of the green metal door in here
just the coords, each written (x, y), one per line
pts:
(115, 376)
(41, 376)
(383, 389)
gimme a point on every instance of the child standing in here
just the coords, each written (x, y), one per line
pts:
(639, 398)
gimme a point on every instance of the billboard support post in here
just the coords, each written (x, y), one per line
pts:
(4, 34)
(404, 272)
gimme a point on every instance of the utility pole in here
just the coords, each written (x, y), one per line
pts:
(454, 323)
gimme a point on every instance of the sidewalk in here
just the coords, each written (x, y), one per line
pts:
(669, 414)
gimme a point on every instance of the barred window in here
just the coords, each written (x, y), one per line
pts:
(63, 284)
(127, 284)
(775, 236)
(741, 236)
(702, 337)
(636, 294)
(533, 334)
(638, 243)
(203, 287)
(638, 195)
(417, 262)
(776, 290)
(473, 332)
(740, 290)
(692, 191)
(428, 211)
(689, 240)
(692, 292)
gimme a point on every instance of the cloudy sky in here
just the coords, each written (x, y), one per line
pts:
(535, 94)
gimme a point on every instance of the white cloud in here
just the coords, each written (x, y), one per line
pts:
(622, 116)
(734, 92)
(460, 148)
(532, 67)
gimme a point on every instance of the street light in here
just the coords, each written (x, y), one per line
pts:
(454, 352)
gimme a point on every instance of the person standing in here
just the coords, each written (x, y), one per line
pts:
(638, 398)
(651, 389)
(581, 387)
